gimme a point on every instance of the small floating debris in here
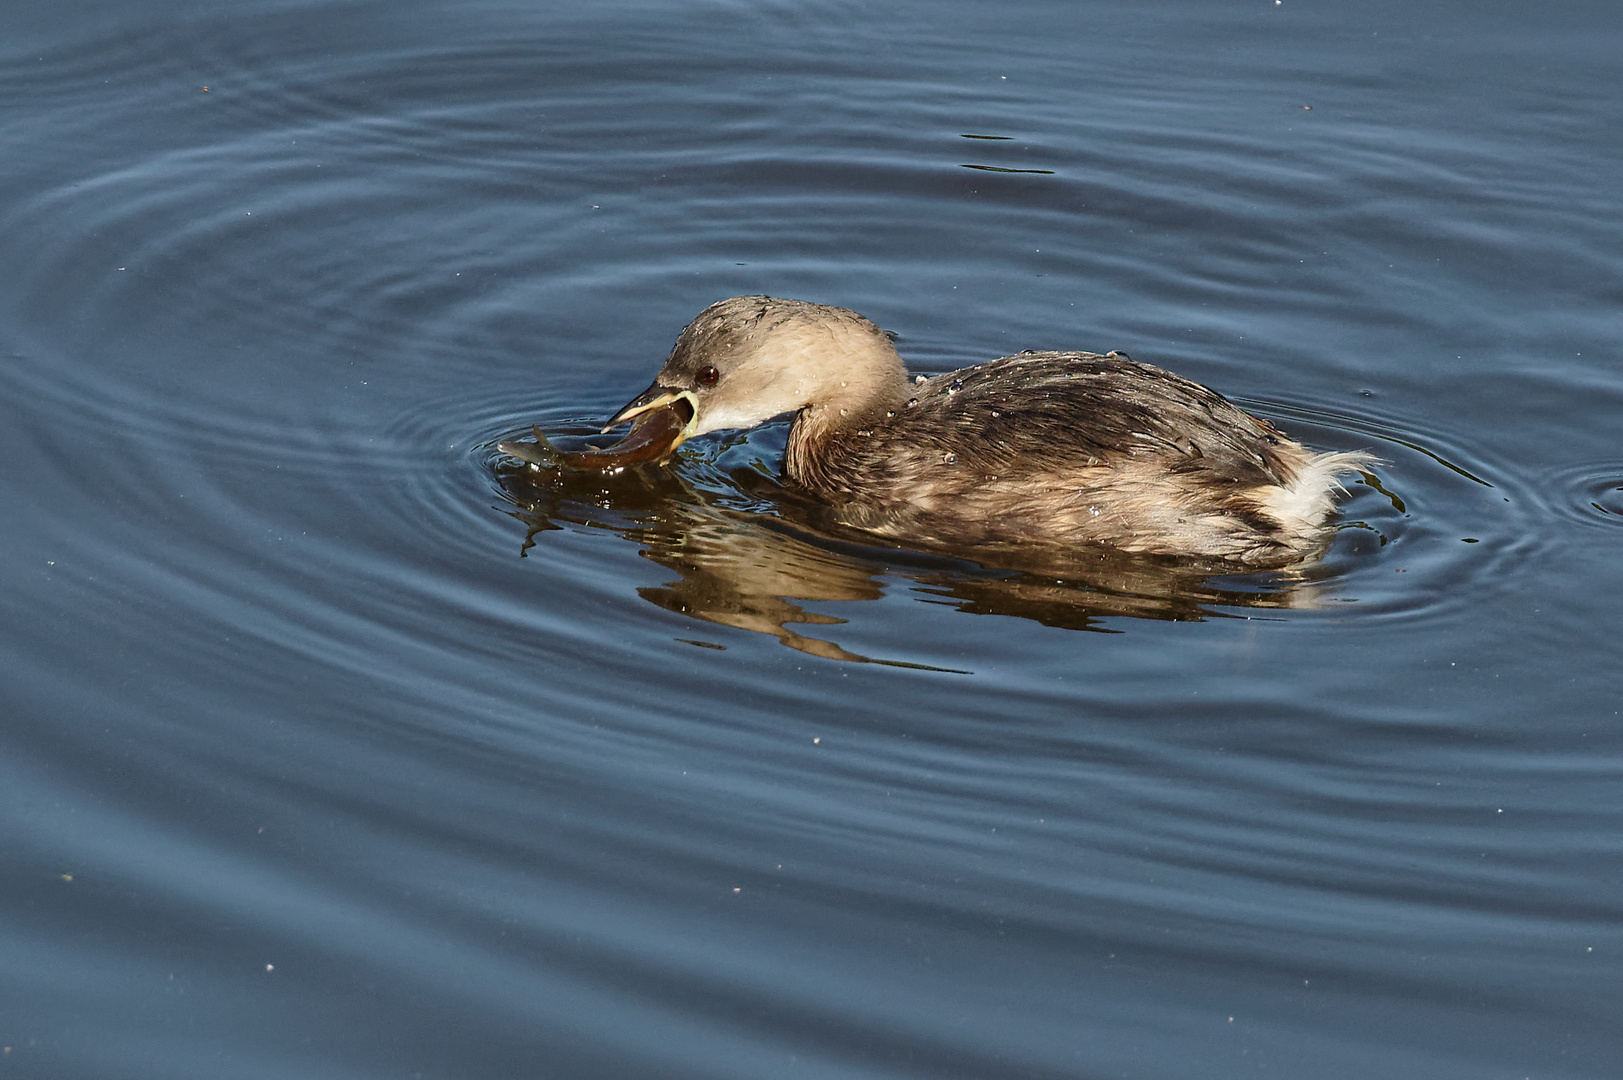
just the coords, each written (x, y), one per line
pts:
(996, 168)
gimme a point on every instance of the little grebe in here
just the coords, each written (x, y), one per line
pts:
(1047, 448)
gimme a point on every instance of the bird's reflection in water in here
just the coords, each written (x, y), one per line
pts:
(749, 553)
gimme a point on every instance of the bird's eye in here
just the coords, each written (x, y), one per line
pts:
(707, 376)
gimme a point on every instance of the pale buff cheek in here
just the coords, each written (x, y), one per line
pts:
(726, 418)
(829, 375)
(752, 395)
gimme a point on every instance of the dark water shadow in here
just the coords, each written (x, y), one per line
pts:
(750, 553)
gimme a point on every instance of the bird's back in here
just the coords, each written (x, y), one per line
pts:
(1070, 448)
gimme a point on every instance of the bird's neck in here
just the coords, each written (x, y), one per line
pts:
(822, 427)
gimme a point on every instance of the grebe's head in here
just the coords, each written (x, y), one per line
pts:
(748, 359)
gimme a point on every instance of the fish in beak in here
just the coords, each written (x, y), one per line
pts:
(661, 420)
(684, 403)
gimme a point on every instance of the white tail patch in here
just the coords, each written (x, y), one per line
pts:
(1303, 507)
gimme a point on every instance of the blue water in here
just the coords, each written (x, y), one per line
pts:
(330, 749)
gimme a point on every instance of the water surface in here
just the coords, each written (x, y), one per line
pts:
(332, 749)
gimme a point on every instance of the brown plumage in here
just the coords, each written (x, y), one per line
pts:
(1047, 448)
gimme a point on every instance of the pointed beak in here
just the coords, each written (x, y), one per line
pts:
(684, 403)
(656, 436)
